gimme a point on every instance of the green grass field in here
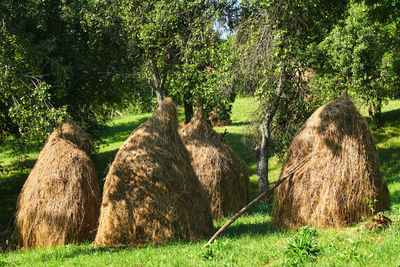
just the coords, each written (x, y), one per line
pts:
(250, 241)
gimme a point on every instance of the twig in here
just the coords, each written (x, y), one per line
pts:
(260, 197)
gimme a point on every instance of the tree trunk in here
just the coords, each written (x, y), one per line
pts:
(188, 107)
(370, 113)
(378, 113)
(156, 82)
(159, 96)
(262, 153)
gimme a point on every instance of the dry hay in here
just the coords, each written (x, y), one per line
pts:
(69, 130)
(343, 170)
(220, 170)
(151, 193)
(60, 201)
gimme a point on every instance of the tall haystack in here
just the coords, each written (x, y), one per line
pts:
(60, 201)
(151, 193)
(343, 170)
(220, 170)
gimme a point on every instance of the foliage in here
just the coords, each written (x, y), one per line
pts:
(25, 103)
(35, 116)
(58, 57)
(303, 246)
(94, 57)
(204, 76)
(362, 55)
(274, 47)
(177, 46)
(215, 250)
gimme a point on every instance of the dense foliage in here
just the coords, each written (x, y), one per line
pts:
(90, 59)
(83, 59)
(362, 54)
(274, 48)
(56, 62)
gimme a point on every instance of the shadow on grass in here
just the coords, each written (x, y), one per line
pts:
(391, 128)
(68, 252)
(248, 229)
(253, 229)
(10, 187)
(390, 163)
(395, 197)
(12, 178)
(259, 228)
(121, 131)
(102, 162)
(240, 123)
(391, 117)
(238, 144)
(389, 156)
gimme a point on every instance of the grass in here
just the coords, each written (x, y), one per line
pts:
(250, 241)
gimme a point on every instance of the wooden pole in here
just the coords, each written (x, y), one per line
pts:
(260, 197)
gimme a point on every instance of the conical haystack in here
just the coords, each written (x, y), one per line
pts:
(60, 201)
(343, 170)
(151, 193)
(220, 170)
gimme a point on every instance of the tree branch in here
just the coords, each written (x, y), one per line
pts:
(260, 197)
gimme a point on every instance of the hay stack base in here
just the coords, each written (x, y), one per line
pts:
(151, 193)
(220, 170)
(60, 201)
(343, 170)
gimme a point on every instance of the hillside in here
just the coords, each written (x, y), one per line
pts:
(250, 241)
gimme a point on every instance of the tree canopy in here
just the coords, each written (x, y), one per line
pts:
(84, 59)
(362, 55)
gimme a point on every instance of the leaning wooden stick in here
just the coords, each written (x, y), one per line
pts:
(260, 197)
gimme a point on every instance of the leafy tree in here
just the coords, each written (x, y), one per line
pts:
(59, 60)
(203, 77)
(24, 98)
(177, 45)
(363, 56)
(156, 28)
(82, 59)
(275, 45)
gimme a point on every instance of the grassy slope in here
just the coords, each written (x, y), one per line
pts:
(248, 242)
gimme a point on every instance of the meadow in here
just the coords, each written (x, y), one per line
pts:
(250, 241)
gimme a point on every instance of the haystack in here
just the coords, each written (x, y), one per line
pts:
(60, 201)
(220, 170)
(343, 170)
(151, 193)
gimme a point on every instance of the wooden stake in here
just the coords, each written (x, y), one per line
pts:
(260, 197)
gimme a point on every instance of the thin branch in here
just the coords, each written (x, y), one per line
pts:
(264, 195)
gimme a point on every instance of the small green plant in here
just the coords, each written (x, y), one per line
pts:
(217, 249)
(303, 246)
(208, 254)
(354, 254)
(371, 204)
